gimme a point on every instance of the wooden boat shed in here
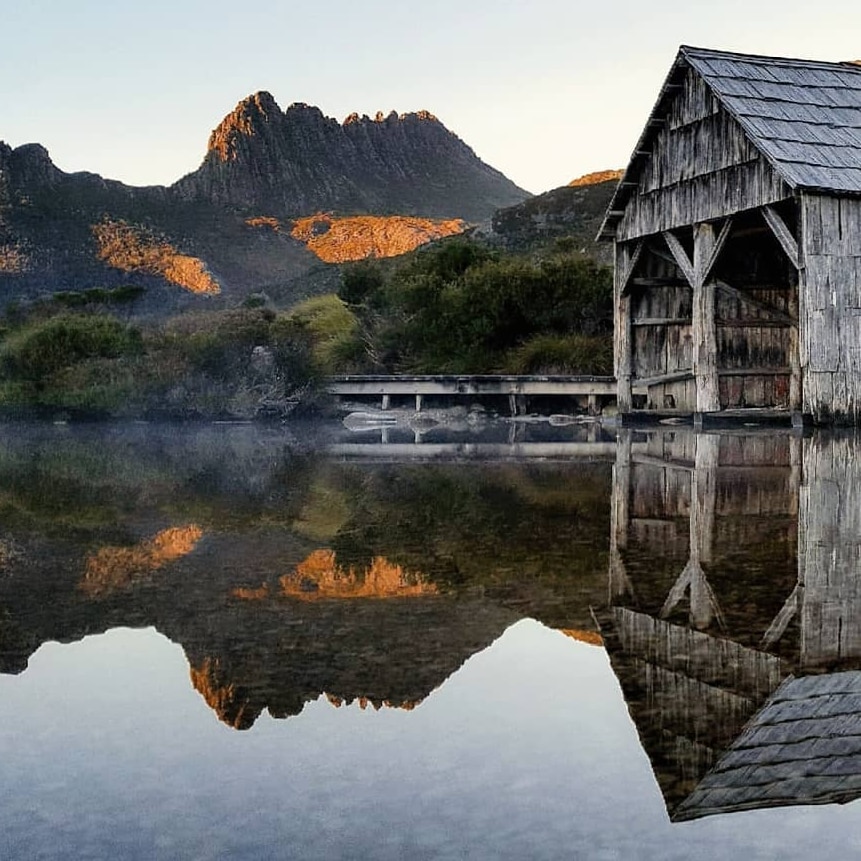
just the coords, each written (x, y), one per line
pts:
(737, 232)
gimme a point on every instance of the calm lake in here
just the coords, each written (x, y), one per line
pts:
(254, 642)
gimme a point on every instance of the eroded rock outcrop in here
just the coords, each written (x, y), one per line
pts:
(298, 161)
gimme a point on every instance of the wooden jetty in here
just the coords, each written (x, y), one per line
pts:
(737, 235)
(584, 392)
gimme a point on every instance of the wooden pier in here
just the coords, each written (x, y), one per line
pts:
(584, 392)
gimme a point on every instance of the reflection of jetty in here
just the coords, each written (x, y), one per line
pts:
(396, 451)
(734, 595)
(589, 393)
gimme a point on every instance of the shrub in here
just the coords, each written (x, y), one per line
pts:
(334, 333)
(37, 351)
(562, 354)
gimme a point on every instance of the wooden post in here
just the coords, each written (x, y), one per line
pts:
(703, 603)
(703, 321)
(619, 583)
(385, 404)
(418, 403)
(593, 405)
(795, 379)
(622, 330)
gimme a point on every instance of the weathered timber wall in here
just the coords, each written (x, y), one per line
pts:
(830, 304)
(701, 167)
(830, 552)
(754, 348)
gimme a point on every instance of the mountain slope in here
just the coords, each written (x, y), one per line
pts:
(572, 213)
(297, 162)
(202, 237)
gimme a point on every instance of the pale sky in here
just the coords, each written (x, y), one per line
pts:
(543, 90)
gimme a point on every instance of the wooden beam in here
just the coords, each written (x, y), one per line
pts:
(680, 256)
(781, 622)
(661, 379)
(630, 264)
(782, 234)
(662, 321)
(716, 249)
(774, 313)
(658, 282)
(663, 255)
(749, 323)
(754, 372)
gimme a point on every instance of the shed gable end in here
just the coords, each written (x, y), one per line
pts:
(698, 164)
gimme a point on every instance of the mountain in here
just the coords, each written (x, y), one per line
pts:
(252, 218)
(297, 162)
(571, 214)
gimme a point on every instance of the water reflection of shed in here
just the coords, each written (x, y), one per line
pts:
(737, 232)
(733, 588)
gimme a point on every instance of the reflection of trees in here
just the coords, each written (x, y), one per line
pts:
(532, 534)
(459, 551)
(95, 480)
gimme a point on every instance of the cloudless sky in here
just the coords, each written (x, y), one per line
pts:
(543, 90)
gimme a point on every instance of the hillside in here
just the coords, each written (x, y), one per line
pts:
(298, 162)
(205, 238)
(572, 213)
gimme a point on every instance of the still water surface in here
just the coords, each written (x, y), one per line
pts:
(244, 642)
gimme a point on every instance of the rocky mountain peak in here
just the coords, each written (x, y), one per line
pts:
(246, 119)
(291, 163)
(31, 166)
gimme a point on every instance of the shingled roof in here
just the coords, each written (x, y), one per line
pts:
(804, 116)
(802, 747)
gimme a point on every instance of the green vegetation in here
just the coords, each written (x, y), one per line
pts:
(460, 308)
(334, 332)
(454, 308)
(237, 363)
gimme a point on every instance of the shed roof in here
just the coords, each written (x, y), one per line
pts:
(802, 747)
(804, 116)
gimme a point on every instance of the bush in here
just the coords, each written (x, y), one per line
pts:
(334, 333)
(459, 308)
(35, 352)
(562, 354)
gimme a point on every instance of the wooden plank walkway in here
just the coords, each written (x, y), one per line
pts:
(591, 393)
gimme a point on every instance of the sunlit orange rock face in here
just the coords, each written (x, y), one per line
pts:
(246, 117)
(595, 178)
(341, 240)
(13, 260)
(133, 249)
(224, 698)
(593, 638)
(264, 221)
(376, 705)
(114, 568)
(251, 593)
(319, 577)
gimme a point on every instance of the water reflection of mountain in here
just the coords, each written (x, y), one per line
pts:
(734, 615)
(220, 537)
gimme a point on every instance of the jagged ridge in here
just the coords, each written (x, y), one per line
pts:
(298, 161)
